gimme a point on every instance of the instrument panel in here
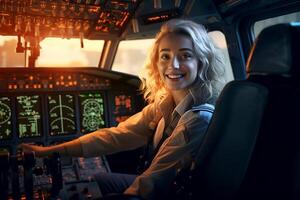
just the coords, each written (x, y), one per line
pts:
(51, 105)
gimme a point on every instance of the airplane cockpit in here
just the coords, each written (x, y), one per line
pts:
(71, 67)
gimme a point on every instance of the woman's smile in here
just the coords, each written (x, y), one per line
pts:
(177, 64)
(175, 76)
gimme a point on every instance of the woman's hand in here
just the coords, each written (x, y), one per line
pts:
(71, 148)
(39, 151)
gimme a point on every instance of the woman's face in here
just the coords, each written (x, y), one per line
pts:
(177, 62)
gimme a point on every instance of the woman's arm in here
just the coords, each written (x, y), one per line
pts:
(71, 148)
(129, 134)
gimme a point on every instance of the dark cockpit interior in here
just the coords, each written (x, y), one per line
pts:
(48, 105)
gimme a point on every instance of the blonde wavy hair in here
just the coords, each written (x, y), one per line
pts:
(208, 74)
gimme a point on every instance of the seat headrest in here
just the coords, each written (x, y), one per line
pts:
(275, 51)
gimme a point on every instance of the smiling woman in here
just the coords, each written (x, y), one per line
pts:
(177, 62)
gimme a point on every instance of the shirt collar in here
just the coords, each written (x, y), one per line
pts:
(185, 104)
(167, 104)
(197, 95)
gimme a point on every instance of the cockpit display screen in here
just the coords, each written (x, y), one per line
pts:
(61, 114)
(92, 111)
(122, 108)
(29, 116)
(5, 118)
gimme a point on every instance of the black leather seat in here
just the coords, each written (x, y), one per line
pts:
(274, 170)
(252, 147)
(223, 158)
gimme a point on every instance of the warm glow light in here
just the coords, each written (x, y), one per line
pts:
(60, 53)
(136, 44)
(155, 18)
(54, 52)
(6, 38)
(131, 56)
(57, 52)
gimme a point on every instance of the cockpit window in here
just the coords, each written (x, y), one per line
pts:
(8, 55)
(260, 25)
(131, 56)
(54, 52)
(220, 42)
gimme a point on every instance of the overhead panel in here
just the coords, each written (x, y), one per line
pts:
(65, 18)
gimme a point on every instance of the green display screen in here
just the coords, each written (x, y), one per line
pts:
(92, 111)
(5, 118)
(29, 116)
(62, 120)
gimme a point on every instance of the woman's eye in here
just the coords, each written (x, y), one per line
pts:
(186, 56)
(164, 57)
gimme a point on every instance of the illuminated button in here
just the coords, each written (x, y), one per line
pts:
(69, 77)
(30, 78)
(57, 82)
(51, 86)
(26, 86)
(10, 86)
(61, 77)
